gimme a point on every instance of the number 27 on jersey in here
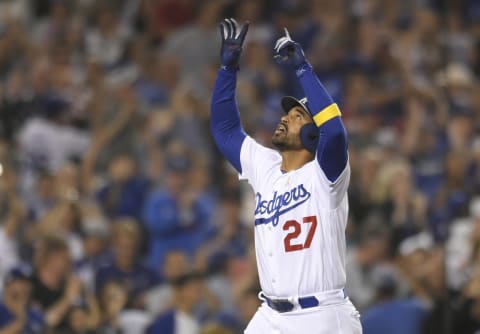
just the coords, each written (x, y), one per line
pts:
(292, 241)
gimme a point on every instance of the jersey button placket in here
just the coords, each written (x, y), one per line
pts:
(269, 247)
(270, 255)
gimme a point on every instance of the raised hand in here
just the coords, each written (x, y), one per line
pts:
(232, 42)
(288, 52)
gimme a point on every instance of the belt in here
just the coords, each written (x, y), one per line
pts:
(286, 305)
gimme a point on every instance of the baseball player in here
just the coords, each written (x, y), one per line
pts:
(301, 196)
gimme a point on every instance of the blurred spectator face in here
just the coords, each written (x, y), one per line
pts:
(179, 168)
(372, 250)
(455, 168)
(53, 261)
(122, 168)
(176, 264)
(190, 292)
(57, 263)
(125, 246)
(93, 245)
(113, 298)
(413, 261)
(459, 132)
(78, 319)
(95, 234)
(126, 236)
(18, 292)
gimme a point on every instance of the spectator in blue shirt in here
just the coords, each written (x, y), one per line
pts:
(231, 237)
(176, 216)
(125, 267)
(16, 314)
(389, 314)
(126, 191)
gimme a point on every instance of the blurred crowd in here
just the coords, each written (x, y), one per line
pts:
(118, 214)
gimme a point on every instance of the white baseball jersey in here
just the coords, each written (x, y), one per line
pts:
(300, 220)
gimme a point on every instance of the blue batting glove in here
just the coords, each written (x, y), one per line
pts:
(232, 42)
(289, 53)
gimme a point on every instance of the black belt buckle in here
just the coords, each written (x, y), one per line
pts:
(280, 305)
(283, 305)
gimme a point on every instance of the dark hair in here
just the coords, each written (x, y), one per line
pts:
(184, 279)
(48, 246)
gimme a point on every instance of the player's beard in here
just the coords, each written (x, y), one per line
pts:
(284, 141)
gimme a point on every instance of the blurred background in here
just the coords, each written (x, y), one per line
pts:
(118, 214)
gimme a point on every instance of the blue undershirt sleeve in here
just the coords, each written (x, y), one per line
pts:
(332, 146)
(225, 122)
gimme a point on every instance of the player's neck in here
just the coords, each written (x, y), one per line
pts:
(292, 160)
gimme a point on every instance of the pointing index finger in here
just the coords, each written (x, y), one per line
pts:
(287, 34)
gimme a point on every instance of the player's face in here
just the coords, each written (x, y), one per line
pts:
(287, 134)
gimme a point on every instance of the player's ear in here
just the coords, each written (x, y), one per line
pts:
(309, 137)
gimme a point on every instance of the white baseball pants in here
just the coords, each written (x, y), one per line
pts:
(341, 318)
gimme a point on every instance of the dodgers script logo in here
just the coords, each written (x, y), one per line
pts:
(279, 204)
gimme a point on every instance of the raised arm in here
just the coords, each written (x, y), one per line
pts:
(225, 122)
(332, 144)
(225, 119)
